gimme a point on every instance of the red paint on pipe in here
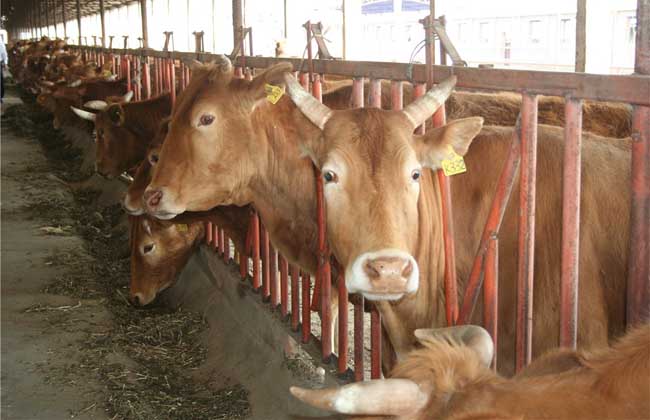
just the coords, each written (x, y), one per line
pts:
(358, 339)
(375, 344)
(524, 324)
(255, 244)
(374, 93)
(419, 90)
(146, 79)
(306, 310)
(295, 297)
(570, 223)
(284, 286)
(264, 240)
(172, 81)
(273, 276)
(396, 95)
(343, 322)
(638, 285)
(215, 237)
(226, 247)
(208, 233)
(491, 293)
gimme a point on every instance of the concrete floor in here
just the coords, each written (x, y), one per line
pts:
(42, 334)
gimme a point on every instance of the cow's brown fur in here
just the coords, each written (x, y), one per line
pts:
(254, 157)
(125, 130)
(610, 383)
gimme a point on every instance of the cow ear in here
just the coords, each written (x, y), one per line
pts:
(115, 114)
(452, 138)
(274, 75)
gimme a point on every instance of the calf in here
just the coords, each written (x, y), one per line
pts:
(450, 378)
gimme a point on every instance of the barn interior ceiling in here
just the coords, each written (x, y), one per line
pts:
(25, 12)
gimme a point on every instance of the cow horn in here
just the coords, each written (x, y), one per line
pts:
(388, 397)
(84, 114)
(127, 96)
(473, 336)
(76, 83)
(315, 111)
(224, 63)
(97, 105)
(422, 108)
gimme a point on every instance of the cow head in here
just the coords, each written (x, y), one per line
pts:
(373, 168)
(209, 132)
(119, 147)
(159, 251)
(422, 386)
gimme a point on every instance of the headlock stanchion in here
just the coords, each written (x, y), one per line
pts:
(154, 72)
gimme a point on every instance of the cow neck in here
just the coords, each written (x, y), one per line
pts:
(426, 307)
(283, 189)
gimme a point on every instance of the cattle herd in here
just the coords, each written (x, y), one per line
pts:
(223, 149)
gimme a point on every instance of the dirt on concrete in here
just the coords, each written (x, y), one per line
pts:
(72, 345)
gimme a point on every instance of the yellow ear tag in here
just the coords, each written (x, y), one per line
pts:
(454, 164)
(273, 93)
(181, 228)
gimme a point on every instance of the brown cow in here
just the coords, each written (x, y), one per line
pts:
(124, 130)
(450, 378)
(233, 147)
(160, 249)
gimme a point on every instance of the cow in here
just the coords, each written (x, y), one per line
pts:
(160, 249)
(450, 378)
(234, 147)
(124, 130)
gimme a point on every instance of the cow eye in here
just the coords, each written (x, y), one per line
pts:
(206, 119)
(153, 158)
(148, 248)
(415, 175)
(330, 176)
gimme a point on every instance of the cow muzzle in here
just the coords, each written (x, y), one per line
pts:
(386, 274)
(158, 204)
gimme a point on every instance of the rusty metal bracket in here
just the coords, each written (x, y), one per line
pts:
(316, 31)
(140, 42)
(169, 35)
(238, 49)
(94, 40)
(110, 41)
(439, 32)
(198, 41)
(126, 41)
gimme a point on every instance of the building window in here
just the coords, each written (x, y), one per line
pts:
(534, 31)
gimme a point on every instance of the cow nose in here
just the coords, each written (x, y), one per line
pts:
(137, 299)
(153, 198)
(385, 268)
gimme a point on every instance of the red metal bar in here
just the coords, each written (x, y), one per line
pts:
(357, 92)
(493, 223)
(295, 297)
(172, 81)
(146, 79)
(358, 339)
(215, 237)
(396, 95)
(188, 76)
(638, 286)
(273, 277)
(208, 233)
(127, 68)
(243, 264)
(266, 272)
(419, 90)
(343, 322)
(375, 344)
(159, 76)
(255, 226)
(284, 286)
(524, 325)
(239, 72)
(570, 223)
(226, 247)
(306, 310)
(374, 93)
(491, 293)
(304, 80)
(317, 88)
(183, 83)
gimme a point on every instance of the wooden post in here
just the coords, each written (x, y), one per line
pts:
(79, 20)
(102, 18)
(581, 36)
(65, 26)
(145, 28)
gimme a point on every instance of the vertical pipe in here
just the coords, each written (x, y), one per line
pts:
(396, 95)
(375, 343)
(172, 81)
(226, 245)
(491, 293)
(284, 286)
(79, 19)
(273, 276)
(295, 297)
(243, 263)
(581, 36)
(208, 233)
(570, 223)
(419, 90)
(306, 310)
(216, 237)
(524, 325)
(127, 67)
(145, 26)
(374, 93)
(638, 286)
(255, 225)
(343, 322)
(103, 22)
(146, 78)
(358, 339)
(266, 272)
